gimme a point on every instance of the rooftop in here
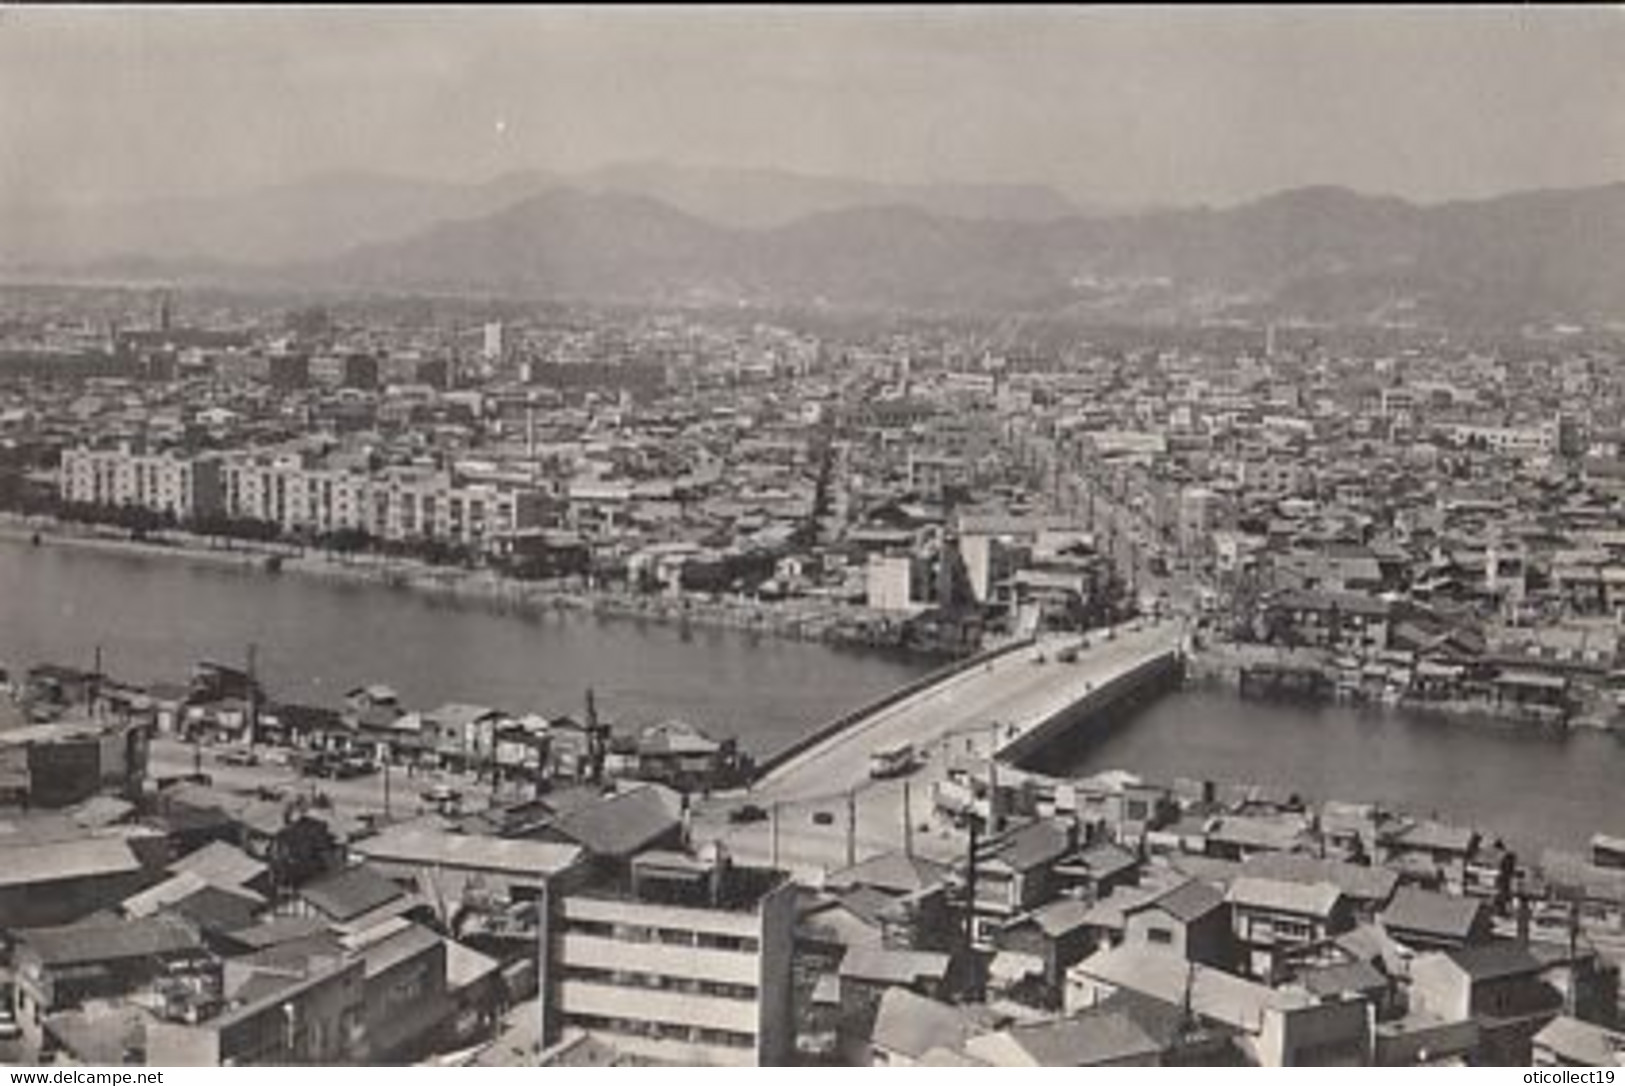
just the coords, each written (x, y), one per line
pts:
(102, 940)
(426, 847)
(1278, 895)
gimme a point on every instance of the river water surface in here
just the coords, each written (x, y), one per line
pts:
(155, 616)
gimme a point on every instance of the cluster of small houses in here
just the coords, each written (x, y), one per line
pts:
(1103, 921)
(225, 707)
(179, 922)
(1341, 622)
(1115, 922)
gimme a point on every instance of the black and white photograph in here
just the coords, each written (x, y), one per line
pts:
(965, 536)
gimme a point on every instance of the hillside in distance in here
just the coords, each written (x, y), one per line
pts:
(323, 215)
(1323, 254)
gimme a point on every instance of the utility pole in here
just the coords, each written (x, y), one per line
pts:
(908, 821)
(970, 903)
(852, 828)
(253, 695)
(96, 684)
(775, 834)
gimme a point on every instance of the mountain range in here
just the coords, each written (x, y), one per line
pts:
(325, 214)
(648, 232)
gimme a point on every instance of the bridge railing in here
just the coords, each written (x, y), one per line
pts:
(886, 701)
(1103, 696)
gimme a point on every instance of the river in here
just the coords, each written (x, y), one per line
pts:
(155, 616)
(1529, 787)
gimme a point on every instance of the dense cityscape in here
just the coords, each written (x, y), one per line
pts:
(479, 589)
(1411, 522)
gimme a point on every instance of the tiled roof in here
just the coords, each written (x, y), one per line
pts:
(1426, 912)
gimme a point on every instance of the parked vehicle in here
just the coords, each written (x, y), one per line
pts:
(349, 768)
(440, 795)
(750, 812)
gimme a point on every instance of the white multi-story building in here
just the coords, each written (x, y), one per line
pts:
(185, 487)
(1507, 440)
(284, 489)
(685, 961)
(421, 505)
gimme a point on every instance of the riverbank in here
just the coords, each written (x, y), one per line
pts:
(1226, 665)
(824, 622)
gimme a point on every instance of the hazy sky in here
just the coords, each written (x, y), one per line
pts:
(1136, 105)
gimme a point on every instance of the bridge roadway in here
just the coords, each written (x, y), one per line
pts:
(1014, 691)
(812, 795)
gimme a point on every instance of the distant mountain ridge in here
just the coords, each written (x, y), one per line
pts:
(1316, 253)
(322, 215)
(648, 232)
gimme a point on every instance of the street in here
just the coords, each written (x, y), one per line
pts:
(356, 797)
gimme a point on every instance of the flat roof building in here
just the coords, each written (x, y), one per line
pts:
(683, 960)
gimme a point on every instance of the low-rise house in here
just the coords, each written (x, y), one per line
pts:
(58, 880)
(1595, 893)
(1016, 872)
(1274, 916)
(677, 754)
(1122, 808)
(1096, 871)
(1353, 981)
(1422, 1039)
(614, 829)
(521, 748)
(575, 751)
(1343, 621)
(478, 993)
(1126, 1030)
(354, 898)
(69, 760)
(1236, 837)
(1424, 845)
(1273, 1027)
(1191, 920)
(1427, 920)
(314, 1018)
(894, 873)
(446, 866)
(1367, 888)
(462, 735)
(1608, 851)
(406, 1005)
(220, 864)
(1057, 935)
(60, 968)
(867, 974)
(908, 1026)
(903, 898)
(213, 910)
(1512, 990)
(1568, 1042)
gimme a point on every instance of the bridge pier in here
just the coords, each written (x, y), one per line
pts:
(1065, 735)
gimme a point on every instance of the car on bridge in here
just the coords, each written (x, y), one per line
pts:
(893, 761)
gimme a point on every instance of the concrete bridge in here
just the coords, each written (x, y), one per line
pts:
(1027, 695)
(824, 810)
